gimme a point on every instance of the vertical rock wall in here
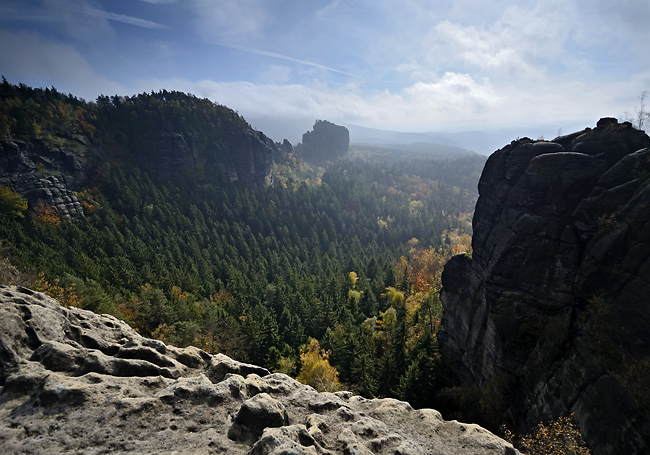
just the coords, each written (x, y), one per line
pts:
(553, 303)
(326, 142)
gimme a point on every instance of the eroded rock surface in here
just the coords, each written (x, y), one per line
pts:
(76, 382)
(43, 174)
(552, 307)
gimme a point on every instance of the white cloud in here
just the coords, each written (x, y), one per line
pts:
(231, 21)
(285, 57)
(519, 45)
(419, 65)
(276, 74)
(456, 94)
(94, 12)
(453, 102)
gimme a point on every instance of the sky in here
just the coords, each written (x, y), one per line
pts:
(531, 67)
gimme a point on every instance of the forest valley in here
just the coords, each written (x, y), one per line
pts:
(329, 274)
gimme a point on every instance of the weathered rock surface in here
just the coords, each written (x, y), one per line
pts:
(43, 174)
(76, 382)
(553, 305)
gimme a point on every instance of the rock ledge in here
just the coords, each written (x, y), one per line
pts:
(76, 382)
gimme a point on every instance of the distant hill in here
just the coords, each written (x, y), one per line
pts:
(398, 152)
(362, 135)
(165, 132)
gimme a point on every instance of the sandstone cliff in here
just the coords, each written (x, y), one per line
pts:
(551, 311)
(325, 142)
(246, 156)
(43, 174)
(76, 382)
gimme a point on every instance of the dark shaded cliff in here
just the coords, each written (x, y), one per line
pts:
(172, 132)
(551, 313)
(326, 142)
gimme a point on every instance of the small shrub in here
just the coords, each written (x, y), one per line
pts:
(10, 275)
(66, 294)
(316, 370)
(12, 203)
(558, 437)
(46, 214)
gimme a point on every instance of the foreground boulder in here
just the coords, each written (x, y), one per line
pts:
(551, 312)
(76, 382)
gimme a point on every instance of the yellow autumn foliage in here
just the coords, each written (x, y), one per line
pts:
(66, 294)
(316, 370)
(558, 437)
(46, 214)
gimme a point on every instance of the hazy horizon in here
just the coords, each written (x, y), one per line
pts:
(531, 68)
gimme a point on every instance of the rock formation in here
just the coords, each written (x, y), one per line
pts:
(325, 142)
(552, 307)
(46, 174)
(246, 156)
(51, 144)
(77, 382)
(42, 173)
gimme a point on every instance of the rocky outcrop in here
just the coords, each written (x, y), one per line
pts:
(74, 381)
(43, 174)
(325, 142)
(552, 305)
(49, 175)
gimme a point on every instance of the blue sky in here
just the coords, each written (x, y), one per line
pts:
(535, 66)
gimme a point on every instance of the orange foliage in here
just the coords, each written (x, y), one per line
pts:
(178, 294)
(129, 312)
(46, 214)
(66, 295)
(425, 270)
(561, 437)
(222, 297)
(424, 266)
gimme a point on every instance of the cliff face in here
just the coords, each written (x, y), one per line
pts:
(75, 381)
(49, 174)
(553, 303)
(325, 142)
(246, 156)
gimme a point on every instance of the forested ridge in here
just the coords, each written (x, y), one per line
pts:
(321, 268)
